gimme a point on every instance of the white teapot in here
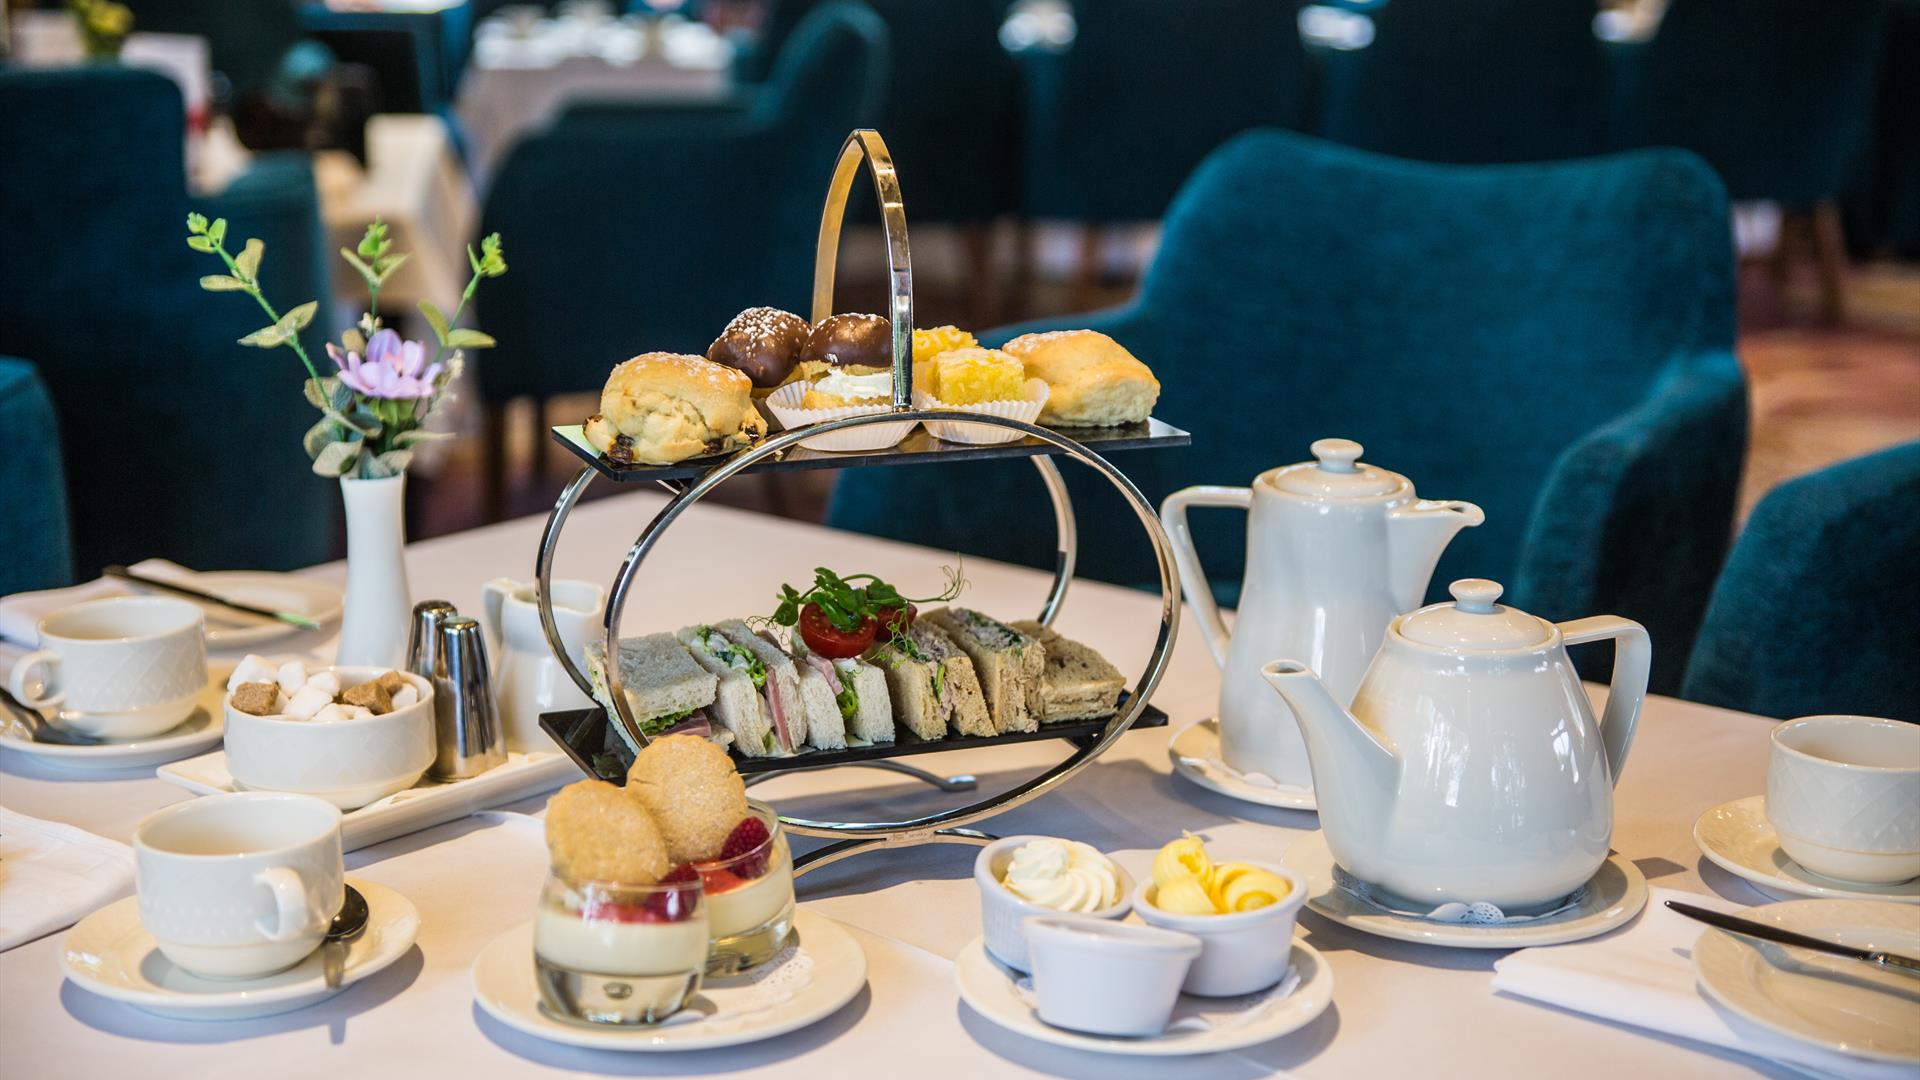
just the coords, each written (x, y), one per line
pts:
(1335, 549)
(528, 678)
(1471, 768)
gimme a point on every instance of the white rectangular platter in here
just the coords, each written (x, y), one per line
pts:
(426, 804)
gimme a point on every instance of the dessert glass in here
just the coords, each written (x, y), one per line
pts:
(612, 953)
(750, 900)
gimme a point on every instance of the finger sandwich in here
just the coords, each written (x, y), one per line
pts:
(858, 691)
(740, 703)
(786, 711)
(932, 684)
(1079, 683)
(1011, 665)
(663, 685)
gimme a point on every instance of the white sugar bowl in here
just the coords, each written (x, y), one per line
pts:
(1106, 977)
(348, 763)
(1001, 909)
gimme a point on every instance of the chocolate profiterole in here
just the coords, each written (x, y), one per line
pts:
(856, 344)
(762, 342)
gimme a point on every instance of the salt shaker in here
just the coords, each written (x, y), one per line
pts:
(468, 737)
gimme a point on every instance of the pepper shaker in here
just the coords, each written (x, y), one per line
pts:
(468, 737)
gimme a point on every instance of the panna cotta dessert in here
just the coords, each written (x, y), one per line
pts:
(749, 894)
(621, 936)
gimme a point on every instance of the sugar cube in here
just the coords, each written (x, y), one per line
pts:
(330, 714)
(325, 680)
(252, 669)
(293, 676)
(406, 696)
(307, 701)
(256, 698)
(354, 712)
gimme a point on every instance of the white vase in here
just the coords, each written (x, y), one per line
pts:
(373, 632)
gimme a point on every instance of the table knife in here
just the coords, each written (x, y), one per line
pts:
(288, 617)
(1879, 958)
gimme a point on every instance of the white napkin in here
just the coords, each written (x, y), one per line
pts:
(20, 614)
(1643, 976)
(51, 875)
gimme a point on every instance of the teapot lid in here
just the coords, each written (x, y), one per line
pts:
(1336, 473)
(1473, 622)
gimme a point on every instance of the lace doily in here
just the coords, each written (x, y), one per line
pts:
(1478, 913)
(1193, 1015)
(733, 1001)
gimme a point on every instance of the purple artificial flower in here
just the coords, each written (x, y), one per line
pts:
(392, 368)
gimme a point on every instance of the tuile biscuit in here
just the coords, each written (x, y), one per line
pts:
(693, 791)
(598, 832)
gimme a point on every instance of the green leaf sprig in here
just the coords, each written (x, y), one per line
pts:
(847, 605)
(243, 275)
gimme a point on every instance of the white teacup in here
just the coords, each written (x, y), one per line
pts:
(121, 667)
(240, 885)
(1843, 794)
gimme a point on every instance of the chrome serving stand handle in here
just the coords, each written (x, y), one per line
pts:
(949, 826)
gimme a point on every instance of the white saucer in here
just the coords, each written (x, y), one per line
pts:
(204, 728)
(111, 954)
(1737, 838)
(1615, 894)
(803, 986)
(320, 601)
(1195, 753)
(990, 990)
(1827, 1001)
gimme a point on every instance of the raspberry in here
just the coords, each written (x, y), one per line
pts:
(747, 837)
(683, 872)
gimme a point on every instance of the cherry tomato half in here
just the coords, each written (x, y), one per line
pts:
(896, 618)
(830, 641)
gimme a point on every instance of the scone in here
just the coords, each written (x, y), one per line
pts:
(1094, 381)
(659, 408)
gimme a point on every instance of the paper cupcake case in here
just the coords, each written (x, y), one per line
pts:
(1025, 409)
(785, 403)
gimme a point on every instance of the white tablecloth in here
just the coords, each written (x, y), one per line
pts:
(1399, 1009)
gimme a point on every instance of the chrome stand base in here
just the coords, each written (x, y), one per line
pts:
(842, 849)
(958, 782)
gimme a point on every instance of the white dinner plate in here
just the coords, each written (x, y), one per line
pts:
(204, 728)
(1195, 753)
(318, 600)
(1201, 1025)
(1615, 894)
(1827, 1001)
(807, 983)
(111, 954)
(1737, 838)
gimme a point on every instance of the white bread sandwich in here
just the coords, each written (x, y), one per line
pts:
(740, 704)
(1079, 683)
(859, 696)
(664, 687)
(932, 684)
(1010, 664)
(786, 711)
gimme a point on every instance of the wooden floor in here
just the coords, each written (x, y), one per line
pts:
(1819, 394)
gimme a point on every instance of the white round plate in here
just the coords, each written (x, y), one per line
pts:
(202, 729)
(989, 989)
(1737, 838)
(1615, 894)
(503, 985)
(1195, 753)
(320, 601)
(1827, 1001)
(111, 954)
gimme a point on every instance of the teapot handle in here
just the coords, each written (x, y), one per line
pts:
(1632, 662)
(1193, 579)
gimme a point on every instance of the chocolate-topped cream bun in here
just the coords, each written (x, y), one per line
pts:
(852, 342)
(762, 342)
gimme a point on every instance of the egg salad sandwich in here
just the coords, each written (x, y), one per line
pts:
(932, 684)
(664, 687)
(858, 691)
(1011, 665)
(1079, 683)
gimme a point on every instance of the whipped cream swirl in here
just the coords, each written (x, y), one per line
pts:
(1064, 875)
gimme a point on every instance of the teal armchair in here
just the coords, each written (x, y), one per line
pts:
(1814, 612)
(178, 441)
(36, 547)
(1553, 342)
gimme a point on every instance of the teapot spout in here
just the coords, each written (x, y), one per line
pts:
(1350, 765)
(1416, 536)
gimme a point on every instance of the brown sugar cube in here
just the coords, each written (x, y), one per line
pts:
(370, 695)
(257, 698)
(391, 681)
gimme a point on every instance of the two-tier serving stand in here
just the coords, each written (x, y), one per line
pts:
(586, 734)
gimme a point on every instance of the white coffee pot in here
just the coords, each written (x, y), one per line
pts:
(528, 678)
(1335, 549)
(1471, 767)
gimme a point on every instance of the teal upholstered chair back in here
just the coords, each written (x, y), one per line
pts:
(690, 219)
(1815, 610)
(179, 442)
(1470, 81)
(36, 546)
(1148, 88)
(246, 41)
(1519, 336)
(1776, 94)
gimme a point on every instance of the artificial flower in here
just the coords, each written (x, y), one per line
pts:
(393, 368)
